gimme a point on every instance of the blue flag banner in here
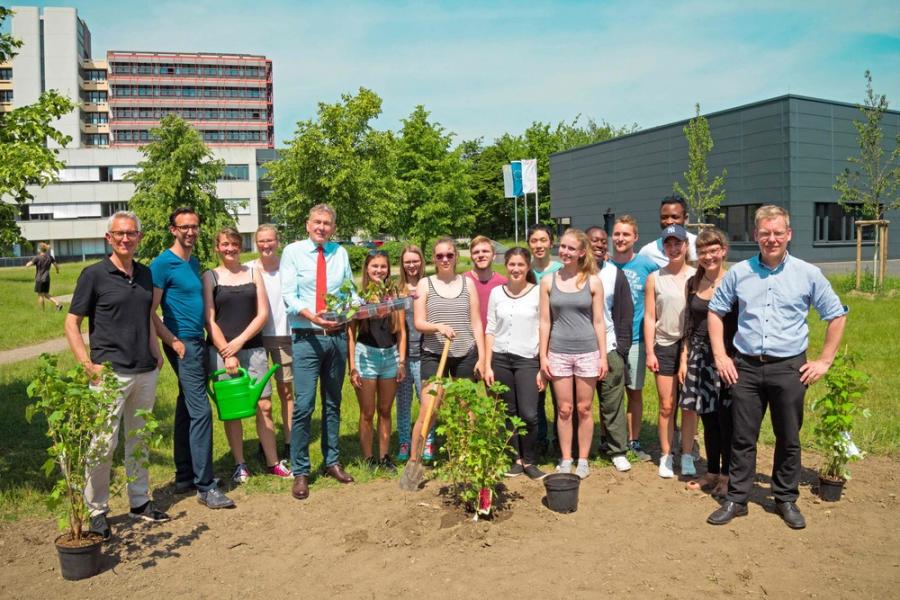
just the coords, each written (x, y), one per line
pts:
(517, 178)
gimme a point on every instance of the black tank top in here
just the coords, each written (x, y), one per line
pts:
(235, 308)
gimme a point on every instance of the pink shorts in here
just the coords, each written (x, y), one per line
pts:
(579, 365)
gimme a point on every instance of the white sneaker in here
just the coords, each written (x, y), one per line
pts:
(564, 466)
(665, 467)
(241, 474)
(687, 465)
(621, 463)
(583, 469)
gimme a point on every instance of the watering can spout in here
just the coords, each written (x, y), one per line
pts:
(260, 385)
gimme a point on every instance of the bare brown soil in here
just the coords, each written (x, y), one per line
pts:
(634, 535)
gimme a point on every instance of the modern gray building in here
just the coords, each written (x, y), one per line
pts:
(785, 151)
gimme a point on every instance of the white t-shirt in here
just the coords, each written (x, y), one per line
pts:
(278, 322)
(514, 322)
(654, 250)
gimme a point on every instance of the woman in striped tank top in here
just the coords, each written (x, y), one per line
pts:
(446, 306)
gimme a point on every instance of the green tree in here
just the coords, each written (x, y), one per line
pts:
(178, 170)
(872, 186)
(703, 197)
(338, 158)
(25, 158)
(434, 179)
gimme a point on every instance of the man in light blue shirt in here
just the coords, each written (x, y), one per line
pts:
(310, 269)
(773, 292)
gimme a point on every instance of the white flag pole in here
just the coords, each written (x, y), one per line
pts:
(516, 205)
(536, 220)
(525, 220)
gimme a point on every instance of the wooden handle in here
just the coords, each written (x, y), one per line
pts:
(438, 389)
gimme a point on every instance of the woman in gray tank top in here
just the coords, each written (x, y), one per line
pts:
(573, 344)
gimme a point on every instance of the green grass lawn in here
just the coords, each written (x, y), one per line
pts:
(20, 307)
(870, 332)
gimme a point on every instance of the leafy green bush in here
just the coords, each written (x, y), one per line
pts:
(78, 417)
(393, 250)
(477, 431)
(836, 411)
(357, 256)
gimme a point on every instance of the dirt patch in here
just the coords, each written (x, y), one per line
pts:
(633, 534)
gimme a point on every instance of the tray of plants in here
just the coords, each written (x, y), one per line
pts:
(379, 299)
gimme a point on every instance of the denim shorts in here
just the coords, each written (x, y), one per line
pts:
(376, 363)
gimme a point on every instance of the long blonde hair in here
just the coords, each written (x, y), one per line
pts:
(587, 264)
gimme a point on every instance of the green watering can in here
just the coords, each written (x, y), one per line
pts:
(236, 397)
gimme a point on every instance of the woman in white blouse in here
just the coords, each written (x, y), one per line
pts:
(512, 355)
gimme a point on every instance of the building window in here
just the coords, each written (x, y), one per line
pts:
(108, 209)
(96, 118)
(738, 222)
(5, 73)
(96, 139)
(236, 173)
(834, 225)
(94, 96)
(94, 75)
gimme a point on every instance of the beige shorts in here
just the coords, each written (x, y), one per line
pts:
(279, 350)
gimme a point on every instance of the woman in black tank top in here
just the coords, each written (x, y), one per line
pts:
(237, 308)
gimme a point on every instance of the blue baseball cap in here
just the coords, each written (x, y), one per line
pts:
(676, 231)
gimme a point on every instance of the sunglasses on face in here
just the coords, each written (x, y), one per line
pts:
(448, 256)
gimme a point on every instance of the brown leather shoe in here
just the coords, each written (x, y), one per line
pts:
(300, 490)
(338, 472)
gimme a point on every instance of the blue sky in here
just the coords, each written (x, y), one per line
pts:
(485, 68)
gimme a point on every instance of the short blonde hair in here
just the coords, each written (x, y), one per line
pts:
(481, 239)
(266, 227)
(628, 220)
(770, 211)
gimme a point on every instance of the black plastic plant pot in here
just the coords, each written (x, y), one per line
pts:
(79, 562)
(830, 490)
(562, 492)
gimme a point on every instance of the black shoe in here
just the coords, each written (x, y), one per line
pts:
(791, 515)
(534, 473)
(515, 470)
(148, 512)
(725, 513)
(100, 525)
(387, 463)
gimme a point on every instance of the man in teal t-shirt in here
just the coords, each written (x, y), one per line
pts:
(636, 268)
(178, 289)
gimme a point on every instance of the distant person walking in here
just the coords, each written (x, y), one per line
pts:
(116, 295)
(42, 263)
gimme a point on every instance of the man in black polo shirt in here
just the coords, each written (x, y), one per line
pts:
(115, 295)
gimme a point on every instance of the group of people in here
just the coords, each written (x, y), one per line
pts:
(723, 346)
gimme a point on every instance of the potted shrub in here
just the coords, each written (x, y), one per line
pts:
(76, 414)
(342, 305)
(836, 411)
(474, 426)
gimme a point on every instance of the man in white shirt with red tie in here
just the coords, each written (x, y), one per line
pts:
(310, 269)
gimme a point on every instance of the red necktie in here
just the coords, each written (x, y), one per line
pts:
(321, 284)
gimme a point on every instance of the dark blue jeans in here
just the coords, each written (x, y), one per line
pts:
(317, 357)
(193, 416)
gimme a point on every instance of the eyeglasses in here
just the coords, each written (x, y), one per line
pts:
(186, 228)
(448, 256)
(121, 235)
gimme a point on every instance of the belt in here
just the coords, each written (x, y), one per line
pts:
(308, 331)
(765, 358)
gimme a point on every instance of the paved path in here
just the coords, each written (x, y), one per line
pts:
(33, 351)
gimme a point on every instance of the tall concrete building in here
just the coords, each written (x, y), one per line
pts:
(226, 97)
(56, 50)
